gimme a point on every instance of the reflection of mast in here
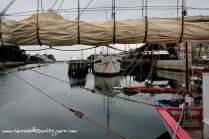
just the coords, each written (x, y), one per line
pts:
(108, 108)
(108, 111)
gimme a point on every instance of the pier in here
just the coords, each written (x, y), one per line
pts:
(77, 67)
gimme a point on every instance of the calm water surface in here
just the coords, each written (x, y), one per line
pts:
(22, 107)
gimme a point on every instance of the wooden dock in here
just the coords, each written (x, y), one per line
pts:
(78, 67)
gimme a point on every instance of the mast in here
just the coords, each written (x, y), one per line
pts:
(184, 12)
(108, 111)
(177, 12)
(187, 66)
(142, 8)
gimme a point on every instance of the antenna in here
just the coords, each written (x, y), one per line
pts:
(142, 8)
(177, 14)
(184, 8)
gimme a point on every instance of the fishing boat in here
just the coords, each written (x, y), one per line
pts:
(107, 65)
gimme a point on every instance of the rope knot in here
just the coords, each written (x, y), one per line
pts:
(79, 114)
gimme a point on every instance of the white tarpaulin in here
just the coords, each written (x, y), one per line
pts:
(54, 30)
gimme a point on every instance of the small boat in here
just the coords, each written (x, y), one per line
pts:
(182, 126)
(107, 65)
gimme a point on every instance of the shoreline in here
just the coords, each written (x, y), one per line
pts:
(10, 64)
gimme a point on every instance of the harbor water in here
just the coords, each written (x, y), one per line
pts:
(23, 107)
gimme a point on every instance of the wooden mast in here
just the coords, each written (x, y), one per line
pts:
(184, 13)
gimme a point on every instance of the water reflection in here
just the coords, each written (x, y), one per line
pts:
(77, 80)
(2, 70)
(176, 79)
(109, 110)
(162, 78)
(105, 84)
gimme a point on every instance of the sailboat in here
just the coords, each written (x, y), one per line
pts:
(107, 65)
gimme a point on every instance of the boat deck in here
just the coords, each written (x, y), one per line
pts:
(195, 133)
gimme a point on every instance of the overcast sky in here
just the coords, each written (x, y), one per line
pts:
(103, 15)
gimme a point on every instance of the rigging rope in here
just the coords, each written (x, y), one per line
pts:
(77, 113)
(63, 81)
(53, 48)
(83, 9)
(37, 49)
(116, 48)
(54, 4)
(7, 7)
(128, 8)
(146, 48)
(178, 124)
(60, 5)
(122, 98)
(153, 64)
(73, 50)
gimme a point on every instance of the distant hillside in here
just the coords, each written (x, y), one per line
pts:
(12, 53)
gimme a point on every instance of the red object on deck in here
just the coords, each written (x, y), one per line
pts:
(154, 90)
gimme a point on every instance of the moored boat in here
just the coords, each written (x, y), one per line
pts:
(107, 65)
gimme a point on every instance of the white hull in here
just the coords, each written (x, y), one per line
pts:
(107, 65)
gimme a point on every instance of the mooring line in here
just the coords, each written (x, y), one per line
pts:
(63, 81)
(95, 92)
(122, 98)
(76, 112)
(113, 130)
